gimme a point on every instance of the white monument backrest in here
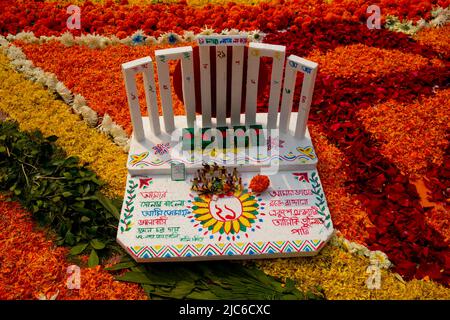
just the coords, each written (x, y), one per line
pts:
(277, 53)
(187, 73)
(130, 70)
(221, 42)
(294, 64)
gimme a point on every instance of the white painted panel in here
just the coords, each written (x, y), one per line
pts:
(275, 87)
(236, 84)
(187, 74)
(310, 72)
(309, 69)
(288, 96)
(150, 97)
(205, 85)
(254, 55)
(162, 61)
(221, 85)
(165, 91)
(129, 70)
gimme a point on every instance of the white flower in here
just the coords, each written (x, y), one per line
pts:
(437, 11)
(207, 31)
(21, 64)
(41, 78)
(89, 116)
(10, 37)
(373, 281)
(126, 41)
(36, 74)
(78, 102)
(3, 41)
(169, 38)
(439, 21)
(138, 38)
(233, 32)
(42, 296)
(67, 39)
(422, 23)
(93, 41)
(188, 36)
(64, 92)
(106, 124)
(114, 40)
(51, 81)
(117, 132)
(122, 141)
(15, 53)
(126, 147)
(256, 36)
(379, 259)
(391, 21)
(28, 37)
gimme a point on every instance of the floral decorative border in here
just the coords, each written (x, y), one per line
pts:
(129, 207)
(289, 156)
(226, 249)
(320, 200)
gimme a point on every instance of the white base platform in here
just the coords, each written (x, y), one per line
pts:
(155, 154)
(163, 220)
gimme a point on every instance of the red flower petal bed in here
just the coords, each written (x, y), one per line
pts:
(50, 18)
(33, 267)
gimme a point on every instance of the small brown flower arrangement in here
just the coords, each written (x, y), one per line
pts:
(216, 180)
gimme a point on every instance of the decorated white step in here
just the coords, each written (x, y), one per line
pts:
(280, 151)
(163, 220)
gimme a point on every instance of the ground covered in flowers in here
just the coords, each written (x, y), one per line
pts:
(379, 122)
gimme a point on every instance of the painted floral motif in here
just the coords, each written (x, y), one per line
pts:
(129, 207)
(274, 143)
(302, 176)
(161, 148)
(233, 215)
(137, 158)
(308, 151)
(320, 200)
(145, 182)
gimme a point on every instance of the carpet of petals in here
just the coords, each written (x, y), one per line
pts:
(380, 124)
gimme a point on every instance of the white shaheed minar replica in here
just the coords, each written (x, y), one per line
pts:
(191, 191)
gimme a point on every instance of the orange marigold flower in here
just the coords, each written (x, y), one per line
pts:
(259, 183)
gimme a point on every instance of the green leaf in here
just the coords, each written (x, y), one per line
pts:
(108, 205)
(52, 138)
(93, 259)
(202, 295)
(97, 244)
(121, 266)
(78, 249)
(181, 290)
(69, 238)
(136, 277)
